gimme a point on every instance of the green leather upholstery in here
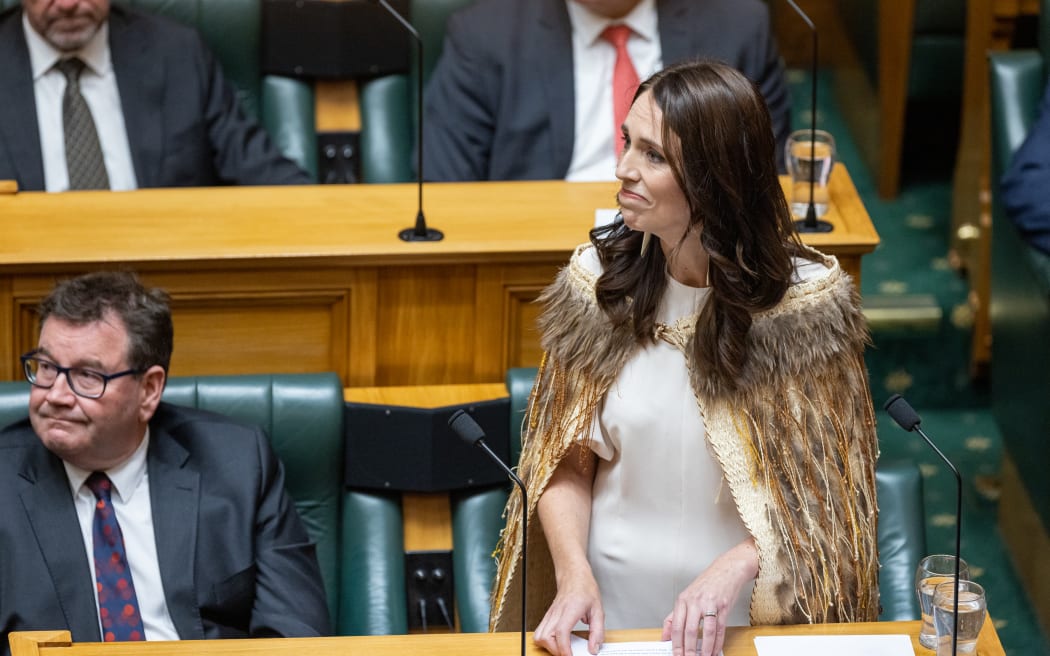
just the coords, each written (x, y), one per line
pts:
(232, 29)
(477, 518)
(373, 567)
(303, 416)
(14, 402)
(902, 537)
(388, 115)
(1020, 285)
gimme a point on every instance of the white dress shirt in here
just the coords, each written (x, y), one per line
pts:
(98, 85)
(593, 150)
(131, 503)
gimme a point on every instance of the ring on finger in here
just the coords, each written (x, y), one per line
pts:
(711, 613)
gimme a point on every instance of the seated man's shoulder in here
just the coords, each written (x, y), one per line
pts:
(195, 428)
(16, 437)
(158, 28)
(491, 20)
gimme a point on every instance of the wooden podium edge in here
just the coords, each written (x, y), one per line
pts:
(28, 643)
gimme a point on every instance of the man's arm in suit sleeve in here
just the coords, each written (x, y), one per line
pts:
(460, 107)
(1026, 184)
(242, 151)
(289, 591)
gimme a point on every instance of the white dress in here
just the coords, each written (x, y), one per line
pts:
(660, 512)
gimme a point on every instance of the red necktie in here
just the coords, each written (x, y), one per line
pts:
(118, 606)
(625, 79)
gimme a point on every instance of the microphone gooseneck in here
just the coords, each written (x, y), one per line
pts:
(906, 417)
(419, 231)
(811, 223)
(468, 430)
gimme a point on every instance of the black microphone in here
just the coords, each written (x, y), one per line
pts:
(810, 223)
(906, 417)
(420, 231)
(468, 430)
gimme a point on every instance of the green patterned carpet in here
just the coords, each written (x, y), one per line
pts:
(928, 362)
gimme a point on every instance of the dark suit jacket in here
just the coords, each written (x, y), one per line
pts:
(500, 103)
(184, 125)
(234, 557)
(1024, 185)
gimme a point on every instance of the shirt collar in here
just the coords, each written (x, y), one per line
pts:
(43, 56)
(641, 20)
(125, 477)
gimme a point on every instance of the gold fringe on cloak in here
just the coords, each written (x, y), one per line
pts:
(796, 442)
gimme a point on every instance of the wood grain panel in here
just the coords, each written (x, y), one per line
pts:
(8, 366)
(273, 337)
(427, 521)
(426, 325)
(507, 313)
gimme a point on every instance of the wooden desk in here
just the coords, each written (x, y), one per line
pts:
(739, 642)
(315, 279)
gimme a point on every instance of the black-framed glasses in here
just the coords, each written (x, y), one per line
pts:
(87, 383)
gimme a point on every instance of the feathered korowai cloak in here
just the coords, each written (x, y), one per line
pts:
(796, 442)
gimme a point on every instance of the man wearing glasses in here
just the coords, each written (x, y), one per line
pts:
(126, 518)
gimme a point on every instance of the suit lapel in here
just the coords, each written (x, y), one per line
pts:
(140, 80)
(676, 30)
(174, 489)
(49, 506)
(18, 125)
(553, 54)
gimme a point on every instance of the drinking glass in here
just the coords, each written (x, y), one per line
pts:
(932, 571)
(973, 607)
(809, 152)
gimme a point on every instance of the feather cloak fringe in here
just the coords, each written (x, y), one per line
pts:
(796, 442)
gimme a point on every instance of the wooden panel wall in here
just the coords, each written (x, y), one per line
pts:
(391, 325)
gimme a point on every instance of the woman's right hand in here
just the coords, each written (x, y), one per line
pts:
(578, 600)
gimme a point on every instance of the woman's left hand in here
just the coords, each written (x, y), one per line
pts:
(707, 600)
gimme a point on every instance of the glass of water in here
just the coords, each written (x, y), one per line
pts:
(973, 607)
(809, 155)
(932, 571)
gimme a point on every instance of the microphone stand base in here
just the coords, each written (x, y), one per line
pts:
(818, 226)
(429, 234)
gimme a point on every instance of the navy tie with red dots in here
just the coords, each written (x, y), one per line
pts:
(118, 607)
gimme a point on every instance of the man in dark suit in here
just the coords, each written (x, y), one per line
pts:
(503, 101)
(164, 113)
(203, 540)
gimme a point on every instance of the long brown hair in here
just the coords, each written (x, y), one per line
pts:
(718, 138)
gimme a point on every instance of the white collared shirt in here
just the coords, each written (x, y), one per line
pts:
(131, 503)
(593, 150)
(98, 85)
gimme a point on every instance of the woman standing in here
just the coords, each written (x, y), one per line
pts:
(700, 445)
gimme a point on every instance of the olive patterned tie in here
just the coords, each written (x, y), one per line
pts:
(87, 170)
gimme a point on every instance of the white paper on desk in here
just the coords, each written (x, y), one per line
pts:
(834, 645)
(604, 217)
(579, 648)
